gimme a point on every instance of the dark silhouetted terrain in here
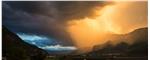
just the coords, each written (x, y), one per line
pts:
(13, 48)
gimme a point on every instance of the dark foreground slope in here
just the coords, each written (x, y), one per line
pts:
(13, 48)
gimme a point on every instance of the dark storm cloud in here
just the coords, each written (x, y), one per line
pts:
(20, 21)
(45, 18)
(62, 10)
(77, 10)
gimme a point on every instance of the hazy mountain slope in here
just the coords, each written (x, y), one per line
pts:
(139, 46)
(13, 48)
(138, 35)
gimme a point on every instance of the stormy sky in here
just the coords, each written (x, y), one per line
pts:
(44, 17)
(58, 23)
(28, 19)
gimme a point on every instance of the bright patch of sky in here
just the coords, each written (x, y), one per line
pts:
(48, 44)
(31, 37)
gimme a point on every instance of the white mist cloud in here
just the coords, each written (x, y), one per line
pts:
(58, 48)
(31, 37)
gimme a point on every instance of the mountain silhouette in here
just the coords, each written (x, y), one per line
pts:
(134, 43)
(13, 48)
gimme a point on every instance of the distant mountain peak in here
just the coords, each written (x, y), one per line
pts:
(131, 41)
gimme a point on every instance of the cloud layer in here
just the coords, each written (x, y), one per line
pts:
(82, 23)
(45, 18)
(58, 48)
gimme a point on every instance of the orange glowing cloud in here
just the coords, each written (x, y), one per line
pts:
(86, 32)
(118, 18)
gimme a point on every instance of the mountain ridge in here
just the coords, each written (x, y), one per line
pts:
(137, 47)
(14, 48)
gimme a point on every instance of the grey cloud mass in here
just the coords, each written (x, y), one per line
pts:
(45, 18)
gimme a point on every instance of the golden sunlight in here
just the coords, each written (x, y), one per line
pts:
(118, 18)
(86, 30)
